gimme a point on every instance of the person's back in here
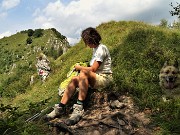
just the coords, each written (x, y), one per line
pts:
(101, 53)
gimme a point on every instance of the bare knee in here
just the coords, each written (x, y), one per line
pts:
(74, 80)
(84, 73)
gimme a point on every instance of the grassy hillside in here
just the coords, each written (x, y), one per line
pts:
(18, 58)
(138, 52)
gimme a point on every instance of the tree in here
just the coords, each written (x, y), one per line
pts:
(58, 34)
(176, 24)
(164, 23)
(38, 33)
(28, 40)
(30, 32)
(176, 9)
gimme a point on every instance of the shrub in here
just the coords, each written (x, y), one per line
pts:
(30, 32)
(58, 34)
(38, 33)
(28, 40)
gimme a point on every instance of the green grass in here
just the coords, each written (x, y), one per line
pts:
(138, 52)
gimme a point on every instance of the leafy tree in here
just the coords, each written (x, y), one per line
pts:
(38, 33)
(30, 32)
(176, 9)
(164, 23)
(176, 25)
(28, 40)
(58, 34)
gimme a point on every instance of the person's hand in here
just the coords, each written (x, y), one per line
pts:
(77, 67)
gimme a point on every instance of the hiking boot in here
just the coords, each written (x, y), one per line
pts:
(76, 115)
(57, 112)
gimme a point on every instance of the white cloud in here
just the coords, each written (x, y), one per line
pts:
(5, 34)
(40, 19)
(71, 18)
(7, 4)
(3, 15)
(73, 41)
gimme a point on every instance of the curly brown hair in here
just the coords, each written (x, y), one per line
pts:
(91, 36)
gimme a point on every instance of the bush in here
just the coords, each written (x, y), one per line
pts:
(58, 34)
(29, 40)
(38, 33)
(30, 32)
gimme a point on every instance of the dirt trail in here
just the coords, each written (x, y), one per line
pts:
(108, 114)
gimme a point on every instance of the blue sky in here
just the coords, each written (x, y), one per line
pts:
(70, 17)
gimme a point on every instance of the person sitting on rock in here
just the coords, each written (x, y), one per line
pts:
(98, 75)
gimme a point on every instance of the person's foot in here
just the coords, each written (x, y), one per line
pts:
(57, 112)
(76, 115)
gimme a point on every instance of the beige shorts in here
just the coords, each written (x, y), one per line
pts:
(102, 81)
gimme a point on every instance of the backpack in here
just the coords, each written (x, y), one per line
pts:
(72, 72)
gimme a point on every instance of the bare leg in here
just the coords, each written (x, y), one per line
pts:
(83, 86)
(85, 78)
(70, 90)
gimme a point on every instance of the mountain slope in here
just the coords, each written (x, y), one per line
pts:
(18, 57)
(138, 52)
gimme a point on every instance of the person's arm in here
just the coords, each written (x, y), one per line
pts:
(93, 68)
